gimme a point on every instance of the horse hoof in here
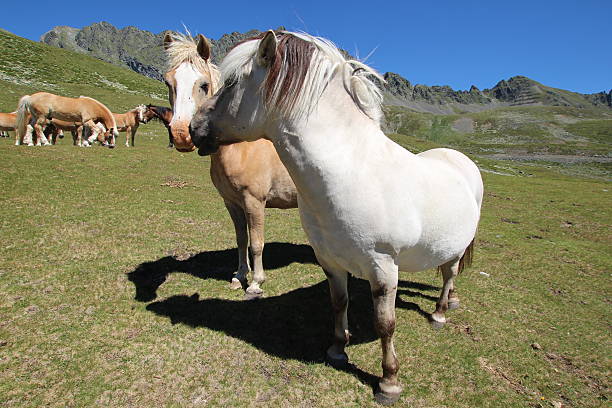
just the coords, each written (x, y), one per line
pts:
(386, 398)
(453, 304)
(337, 361)
(436, 322)
(235, 284)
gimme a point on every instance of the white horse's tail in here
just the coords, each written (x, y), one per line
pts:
(465, 260)
(22, 113)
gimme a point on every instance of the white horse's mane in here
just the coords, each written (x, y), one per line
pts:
(184, 48)
(305, 65)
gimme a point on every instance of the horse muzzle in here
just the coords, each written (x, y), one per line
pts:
(182, 138)
(202, 136)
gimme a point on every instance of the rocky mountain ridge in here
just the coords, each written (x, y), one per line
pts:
(142, 52)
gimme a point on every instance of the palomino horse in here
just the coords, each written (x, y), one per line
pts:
(8, 121)
(44, 106)
(368, 206)
(164, 115)
(129, 121)
(249, 176)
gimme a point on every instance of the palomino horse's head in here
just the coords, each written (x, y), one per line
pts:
(191, 79)
(141, 110)
(275, 81)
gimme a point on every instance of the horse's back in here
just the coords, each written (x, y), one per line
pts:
(462, 164)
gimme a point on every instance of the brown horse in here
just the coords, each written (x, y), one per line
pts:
(44, 106)
(164, 115)
(129, 121)
(249, 176)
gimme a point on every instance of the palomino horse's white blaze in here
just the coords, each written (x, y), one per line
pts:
(184, 104)
(249, 176)
(368, 206)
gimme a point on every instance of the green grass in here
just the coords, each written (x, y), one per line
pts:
(512, 130)
(85, 231)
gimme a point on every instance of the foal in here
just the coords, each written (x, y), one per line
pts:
(129, 121)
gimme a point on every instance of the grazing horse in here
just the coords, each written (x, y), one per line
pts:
(44, 106)
(164, 115)
(249, 176)
(368, 206)
(129, 121)
(75, 128)
(8, 121)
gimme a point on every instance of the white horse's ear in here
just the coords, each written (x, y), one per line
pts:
(267, 49)
(167, 41)
(203, 47)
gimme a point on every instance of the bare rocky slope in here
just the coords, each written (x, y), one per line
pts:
(142, 51)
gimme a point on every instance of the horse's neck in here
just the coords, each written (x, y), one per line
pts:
(322, 153)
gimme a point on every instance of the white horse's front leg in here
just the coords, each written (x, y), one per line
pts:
(383, 296)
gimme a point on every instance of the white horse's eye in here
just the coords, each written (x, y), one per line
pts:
(204, 87)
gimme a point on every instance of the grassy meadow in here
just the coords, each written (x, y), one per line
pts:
(114, 292)
(115, 269)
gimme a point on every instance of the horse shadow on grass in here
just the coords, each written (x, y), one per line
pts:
(294, 325)
(219, 265)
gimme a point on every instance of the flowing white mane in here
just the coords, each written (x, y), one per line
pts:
(303, 68)
(184, 48)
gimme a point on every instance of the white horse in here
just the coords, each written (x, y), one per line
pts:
(368, 206)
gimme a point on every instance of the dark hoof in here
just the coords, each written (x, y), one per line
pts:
(436, 325)
(453, 304)
(337, 363)
(384, 398)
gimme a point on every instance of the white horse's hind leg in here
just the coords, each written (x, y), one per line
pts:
(242, 241)
(383, 296)
(339, 299)
(449, 271)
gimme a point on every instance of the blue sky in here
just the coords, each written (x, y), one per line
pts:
(563, 44)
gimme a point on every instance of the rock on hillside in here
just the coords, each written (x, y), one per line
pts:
(142, 51)
(139, 50)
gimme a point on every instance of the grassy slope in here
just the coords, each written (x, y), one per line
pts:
(28, 67)
(85, 232)
(541, 128)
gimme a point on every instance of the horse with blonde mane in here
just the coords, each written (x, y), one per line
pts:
(129, 121)
(44, 106)
(248, 176)
(368, 206)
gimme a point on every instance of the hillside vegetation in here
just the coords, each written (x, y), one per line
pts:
(29, 67)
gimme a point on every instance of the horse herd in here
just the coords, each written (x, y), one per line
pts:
(42, 118)
(289, 122)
